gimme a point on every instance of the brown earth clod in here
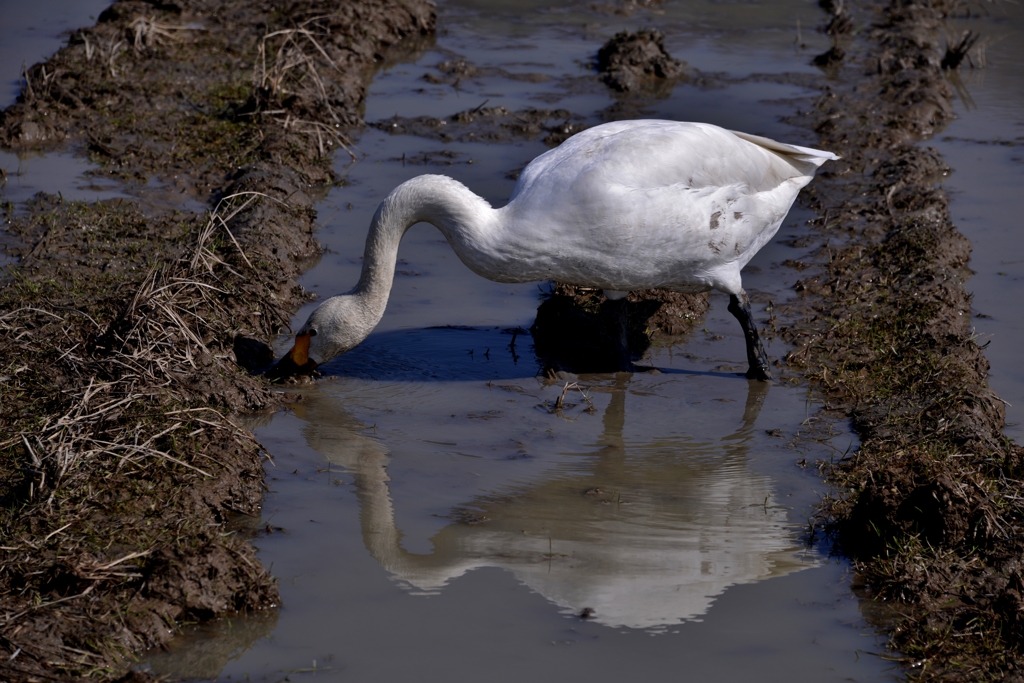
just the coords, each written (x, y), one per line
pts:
(489, 124)
(638, 61)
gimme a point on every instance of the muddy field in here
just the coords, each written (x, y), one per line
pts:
(129, 331)
(127, 489)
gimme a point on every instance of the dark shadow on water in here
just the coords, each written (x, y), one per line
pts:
(206, 648)
(450, 354)
(457, 354)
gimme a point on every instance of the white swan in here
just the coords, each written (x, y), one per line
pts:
(621, 206)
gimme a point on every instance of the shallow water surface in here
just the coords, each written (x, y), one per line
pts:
(985, 147)
(453, 530)
(433, 515)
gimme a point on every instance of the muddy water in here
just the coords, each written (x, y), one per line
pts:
(985, 147)
(454, 530)
(433, 515)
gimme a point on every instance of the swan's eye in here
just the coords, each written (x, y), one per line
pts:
(312, 332)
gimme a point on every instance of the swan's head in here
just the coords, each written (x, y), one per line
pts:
(334, 327)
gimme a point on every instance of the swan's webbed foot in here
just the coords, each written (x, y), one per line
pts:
(757, 359)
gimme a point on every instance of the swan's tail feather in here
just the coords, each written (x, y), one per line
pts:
(805, 154)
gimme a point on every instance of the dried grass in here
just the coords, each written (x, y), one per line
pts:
(121, 416)
(148, 32)
(134, 368)
(288, 68)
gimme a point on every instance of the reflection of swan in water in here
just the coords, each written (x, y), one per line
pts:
(646, 536)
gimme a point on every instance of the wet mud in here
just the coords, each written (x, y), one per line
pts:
(126, 330)
(635, 65)
(638, 61)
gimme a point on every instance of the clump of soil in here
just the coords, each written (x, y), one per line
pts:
(119, 467)
(637, 62)
(929, 506)
(573, 332)
(126, 332)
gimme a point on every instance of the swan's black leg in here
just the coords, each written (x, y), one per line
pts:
(617, 315)
(739, 306)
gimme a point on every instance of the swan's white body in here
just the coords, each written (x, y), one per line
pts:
(637, 204)
(621, 206)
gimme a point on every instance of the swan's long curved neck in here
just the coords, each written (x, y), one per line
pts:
(466, 220)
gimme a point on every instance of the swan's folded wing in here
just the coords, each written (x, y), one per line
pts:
(813, 156)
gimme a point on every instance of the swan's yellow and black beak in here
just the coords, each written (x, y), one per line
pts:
(295, 362)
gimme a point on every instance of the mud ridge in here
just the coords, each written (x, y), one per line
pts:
(126, 331)
(929, 505)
